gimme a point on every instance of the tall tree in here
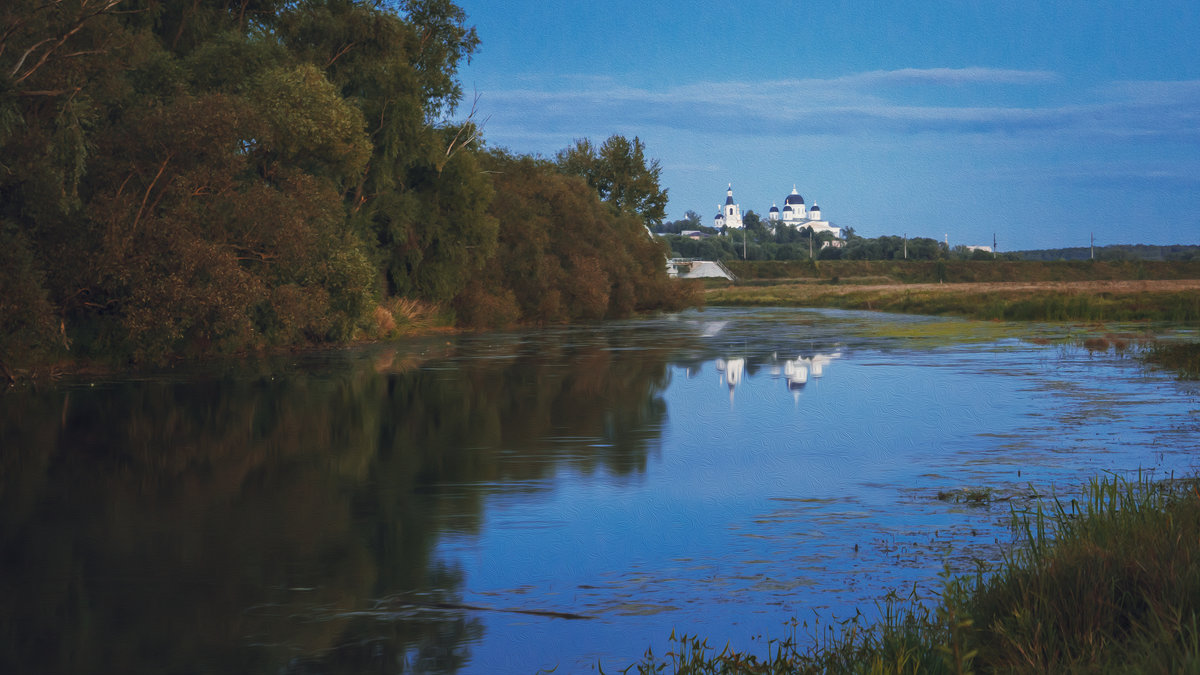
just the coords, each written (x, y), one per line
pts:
(620, 173)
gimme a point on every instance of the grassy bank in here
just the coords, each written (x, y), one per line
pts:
(964, 271)
(1107, 582)
(1054, 301)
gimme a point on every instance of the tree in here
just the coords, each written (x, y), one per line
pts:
(619, 172)
(754, 226)
(563, 254)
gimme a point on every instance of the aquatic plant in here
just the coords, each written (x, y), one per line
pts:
(1182, 357)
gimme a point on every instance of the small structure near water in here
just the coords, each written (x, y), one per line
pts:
(690, 268)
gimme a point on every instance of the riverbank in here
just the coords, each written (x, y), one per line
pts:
(1129, 300)
(1106, 582)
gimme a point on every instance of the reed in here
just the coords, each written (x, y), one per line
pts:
(1182, 357)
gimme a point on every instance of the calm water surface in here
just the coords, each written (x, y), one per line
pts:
(509, 502)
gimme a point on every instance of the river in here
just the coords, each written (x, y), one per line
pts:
(566, 497)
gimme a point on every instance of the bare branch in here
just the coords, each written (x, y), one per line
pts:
(49, 92)
(105, 6)
(146, 196)
(341, 52)
(459, 142)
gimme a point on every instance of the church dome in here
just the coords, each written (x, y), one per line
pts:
(774, 209)
(794, 198)
(787, 208)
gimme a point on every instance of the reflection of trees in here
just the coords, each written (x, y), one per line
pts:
(250, 524)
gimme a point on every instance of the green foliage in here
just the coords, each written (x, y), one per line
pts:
(226, 176)
(221, 177)
(27, 327)
(563, 255)
(1117, 252)
(307, 124)
(620, 173)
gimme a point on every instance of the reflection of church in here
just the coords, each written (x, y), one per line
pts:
(795, 214)
(794, 372)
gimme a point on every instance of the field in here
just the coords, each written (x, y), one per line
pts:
(962, 271)
(1172, 299)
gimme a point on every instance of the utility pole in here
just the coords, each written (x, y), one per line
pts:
(994, 247)
(906, 246)
(1093, 246)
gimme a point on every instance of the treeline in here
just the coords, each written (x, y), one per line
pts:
(183, 178)
(963, 271)
(759, 241)
(1115, 252)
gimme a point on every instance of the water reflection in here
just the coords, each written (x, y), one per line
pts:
(453, 505)
(258, 522)
(794, 373)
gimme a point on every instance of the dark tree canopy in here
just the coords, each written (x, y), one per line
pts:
(183, 178)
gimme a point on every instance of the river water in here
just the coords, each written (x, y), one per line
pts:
(509, 502)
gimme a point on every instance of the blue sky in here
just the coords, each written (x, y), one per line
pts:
(1041, 122)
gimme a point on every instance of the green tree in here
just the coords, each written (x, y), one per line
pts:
(563, 254)
(754, 226)
(621, 175)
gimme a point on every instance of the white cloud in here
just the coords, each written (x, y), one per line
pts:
(858, 104)
(955, 76)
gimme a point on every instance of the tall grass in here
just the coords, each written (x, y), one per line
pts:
(1106, 582)
(1182, 357)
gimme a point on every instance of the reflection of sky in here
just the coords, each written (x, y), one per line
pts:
(767, 505)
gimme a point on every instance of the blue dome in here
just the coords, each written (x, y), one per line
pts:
(774, 209)
(794, 198)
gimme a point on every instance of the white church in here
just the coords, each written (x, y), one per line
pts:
(795, 214)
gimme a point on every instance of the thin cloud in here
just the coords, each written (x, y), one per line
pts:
(952, 76)
(851, 105)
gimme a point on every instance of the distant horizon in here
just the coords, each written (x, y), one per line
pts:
(1041, 123)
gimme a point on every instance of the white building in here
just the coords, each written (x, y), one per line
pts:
(796, 214)
(730, 214)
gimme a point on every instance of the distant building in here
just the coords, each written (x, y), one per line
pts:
(730, 214)
(794, 214)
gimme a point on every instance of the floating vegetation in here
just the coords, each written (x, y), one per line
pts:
(980, 496)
